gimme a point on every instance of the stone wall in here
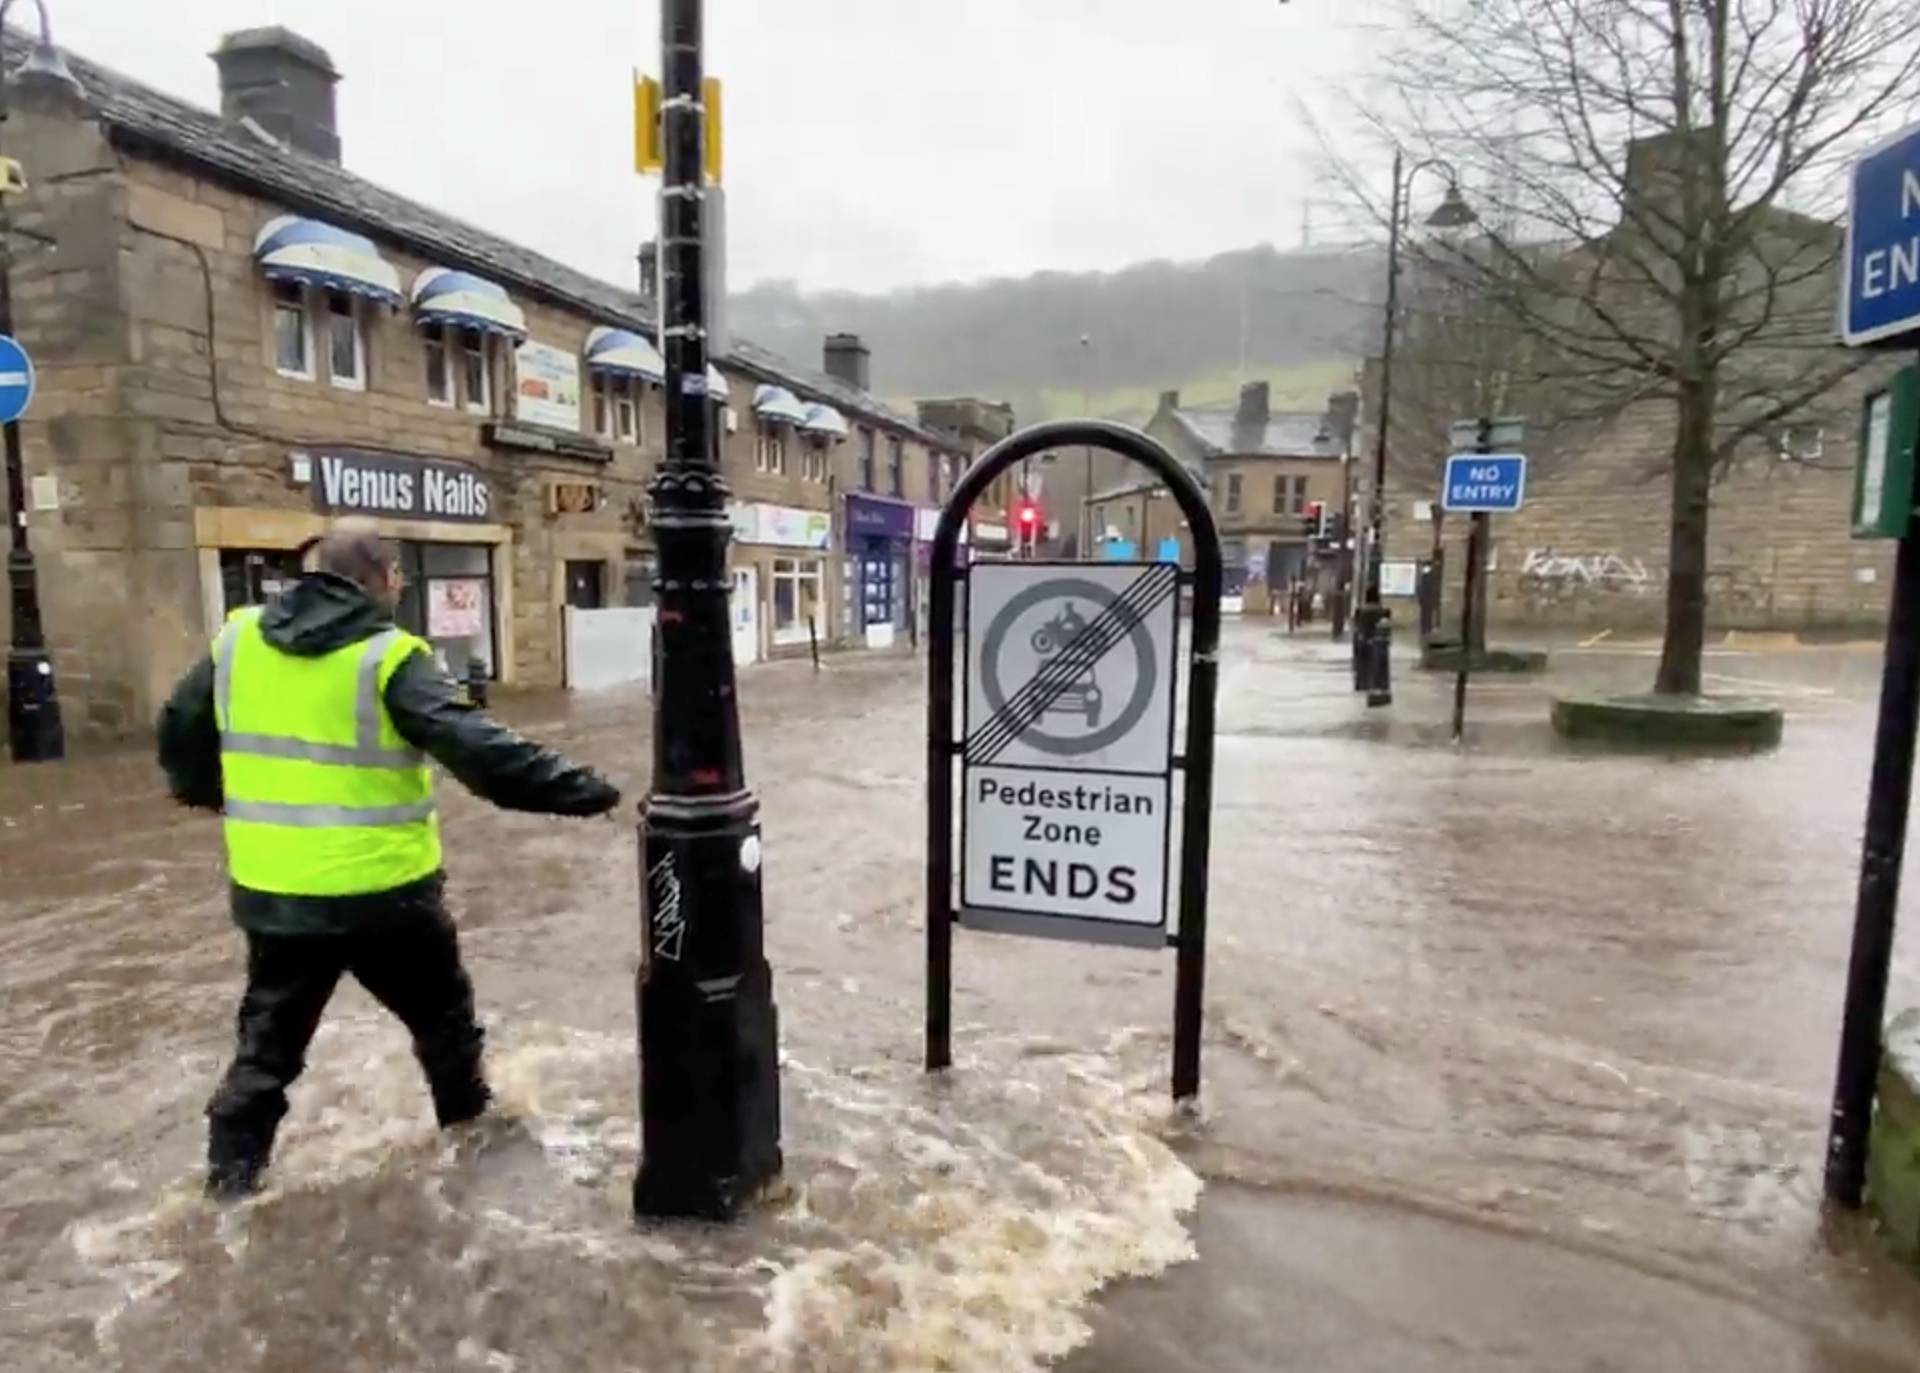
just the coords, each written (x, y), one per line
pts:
(1590, 548)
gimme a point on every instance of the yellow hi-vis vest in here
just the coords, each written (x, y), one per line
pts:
(323, 796)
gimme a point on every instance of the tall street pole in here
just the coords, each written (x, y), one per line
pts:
(1373, 669)
(709, 1072)
(34, 731)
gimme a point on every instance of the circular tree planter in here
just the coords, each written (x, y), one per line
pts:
(1443, 655)
(1714, 721)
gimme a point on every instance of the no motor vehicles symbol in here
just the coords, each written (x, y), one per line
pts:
(1072, 667)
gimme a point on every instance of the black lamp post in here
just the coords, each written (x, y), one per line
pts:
(34, 732)
(709, 1073)
(1372, 624)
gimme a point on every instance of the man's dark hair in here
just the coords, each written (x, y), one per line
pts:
(354, 549)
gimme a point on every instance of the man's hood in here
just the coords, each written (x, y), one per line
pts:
(321, 613)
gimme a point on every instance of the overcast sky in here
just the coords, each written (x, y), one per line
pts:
(870, 143)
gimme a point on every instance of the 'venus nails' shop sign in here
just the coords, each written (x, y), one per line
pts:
(351, 482)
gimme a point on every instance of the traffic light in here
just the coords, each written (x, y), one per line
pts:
(1316, 517)
(1026, 524)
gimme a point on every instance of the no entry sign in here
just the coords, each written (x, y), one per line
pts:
(1068, 742)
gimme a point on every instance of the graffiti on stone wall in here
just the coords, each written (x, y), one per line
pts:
(1579, 571)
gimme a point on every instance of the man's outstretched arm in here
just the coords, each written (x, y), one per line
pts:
(491, 761)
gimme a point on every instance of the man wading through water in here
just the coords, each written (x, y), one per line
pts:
(309, 727)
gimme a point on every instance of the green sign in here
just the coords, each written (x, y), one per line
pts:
(1883, 482)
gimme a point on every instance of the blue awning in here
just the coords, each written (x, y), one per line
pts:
(290, 248)
(824, 419)
(778, 403)
(444, 296)
(618, 350)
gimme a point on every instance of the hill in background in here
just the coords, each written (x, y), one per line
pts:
(1299, 319)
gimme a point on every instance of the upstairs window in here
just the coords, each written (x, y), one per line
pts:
(292, 334)
(476, 372)
(433, 339)
(1233, 494)
(866, 459)
(346, 343)
(896, 467)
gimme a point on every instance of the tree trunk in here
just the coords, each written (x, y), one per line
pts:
(1686, 632)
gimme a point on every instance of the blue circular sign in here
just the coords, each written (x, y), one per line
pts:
(16, 379)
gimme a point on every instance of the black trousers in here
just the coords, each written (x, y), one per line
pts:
(409, 960)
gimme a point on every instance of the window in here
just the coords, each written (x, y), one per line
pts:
(1289, 495)
(346, 343)
(796, 599)
(866, 459)
(616, 408)
(934, 463)
(292, 335)
(956, 469)
(475, 373)
(439, 368)
(814, 465)
(770, 449)
(640, 574)
(1233, 493)
(896, 467)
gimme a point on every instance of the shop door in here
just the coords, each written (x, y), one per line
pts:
(586, 585)
(746, 616)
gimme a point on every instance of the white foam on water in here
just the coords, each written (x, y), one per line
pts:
(990, 1240)
(960, 1223)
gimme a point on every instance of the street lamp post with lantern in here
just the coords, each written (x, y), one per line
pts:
(34, 731)
(1372, 624)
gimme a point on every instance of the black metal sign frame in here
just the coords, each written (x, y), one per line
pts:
(1195, 762)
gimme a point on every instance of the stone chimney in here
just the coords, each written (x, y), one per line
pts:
(844, 357)
(1169, 401)
(1255, 408)
(1343, 413)
(1658, 172)
(283, 83)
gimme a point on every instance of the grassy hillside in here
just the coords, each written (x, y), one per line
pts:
(1298, 319)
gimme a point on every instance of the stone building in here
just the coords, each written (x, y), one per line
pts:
(236, 338)
(1590, 549)
(1269, 476)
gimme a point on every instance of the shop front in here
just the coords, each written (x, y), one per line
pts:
(455, 554)
(878, 586)
(781, 561)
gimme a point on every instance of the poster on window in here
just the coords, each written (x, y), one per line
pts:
(546, 386)
(456, 607)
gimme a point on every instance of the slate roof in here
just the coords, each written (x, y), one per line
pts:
(1286, 434)
(175, 131)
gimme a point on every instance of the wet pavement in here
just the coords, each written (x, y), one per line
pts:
(1517, 1056)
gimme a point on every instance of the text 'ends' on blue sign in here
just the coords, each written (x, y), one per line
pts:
(1880, 297)
(1491, 482)
(16, 379)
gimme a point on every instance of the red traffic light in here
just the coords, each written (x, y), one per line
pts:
(1029, 514)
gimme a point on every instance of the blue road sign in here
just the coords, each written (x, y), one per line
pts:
(1494, 482)
(1881, 295)
(16, 379)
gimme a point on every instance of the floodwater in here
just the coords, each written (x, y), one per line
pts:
(1516, 1057)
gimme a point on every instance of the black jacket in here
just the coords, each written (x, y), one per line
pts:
(323, 613)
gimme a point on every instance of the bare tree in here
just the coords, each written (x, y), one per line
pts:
(1662, 177)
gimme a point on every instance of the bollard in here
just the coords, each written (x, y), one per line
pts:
(477, 683)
